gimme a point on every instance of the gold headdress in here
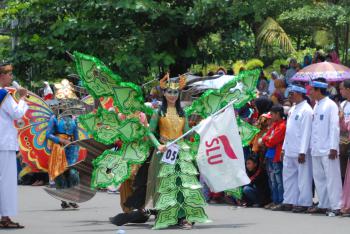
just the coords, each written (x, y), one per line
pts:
(167, 83)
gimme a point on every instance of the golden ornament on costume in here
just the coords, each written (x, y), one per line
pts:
(64, 90)
(167, 83)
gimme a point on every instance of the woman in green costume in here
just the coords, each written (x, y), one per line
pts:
(173, 188)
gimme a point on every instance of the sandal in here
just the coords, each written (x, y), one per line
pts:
(8, 224)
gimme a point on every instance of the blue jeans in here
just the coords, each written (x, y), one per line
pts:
(274, 171)
(251, 194)
(205, 189)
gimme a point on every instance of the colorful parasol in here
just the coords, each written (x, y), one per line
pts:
(332, 72)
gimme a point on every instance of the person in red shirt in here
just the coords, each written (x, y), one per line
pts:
(273, 140)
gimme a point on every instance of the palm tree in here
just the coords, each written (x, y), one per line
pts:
(271, 32)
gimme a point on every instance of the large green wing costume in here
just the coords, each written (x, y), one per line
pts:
(241, 90)
(113, 167)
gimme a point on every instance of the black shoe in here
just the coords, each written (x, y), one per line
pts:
(316, 210)
(299, 209)
(153, 212)
(73, 205)
(132, 217)
(282, 207)
(64, 205)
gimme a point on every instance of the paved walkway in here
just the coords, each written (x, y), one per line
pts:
(41, 214)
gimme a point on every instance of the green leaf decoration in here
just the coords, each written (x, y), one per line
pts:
(100, 81)
(166, 200)
(246, 131)
(212, 100)
(166, 170)
(231, 84)
(195, 214)
(114, 167)
(128, 98)
(190, 182)
(186, 156)
(109, 168)
(242, 98)
(97, 78)
(207, 103)
(188, 168)
(167, 184)
(166, 218)
(135, 152)
(193, 198)
(106, 127)
(236, 192)
(185, 145)
(250, 80)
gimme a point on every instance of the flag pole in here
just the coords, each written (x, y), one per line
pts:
(195, 127)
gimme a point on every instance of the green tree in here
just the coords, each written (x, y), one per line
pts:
(134, 37)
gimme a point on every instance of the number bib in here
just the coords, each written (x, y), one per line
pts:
(170, 155)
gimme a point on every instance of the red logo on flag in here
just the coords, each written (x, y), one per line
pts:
(213, 150)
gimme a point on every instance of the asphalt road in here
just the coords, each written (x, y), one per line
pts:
(41, 214)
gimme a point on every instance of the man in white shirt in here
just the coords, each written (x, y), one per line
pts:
(9, 111)
(325, 149)
(297, 167)
(274, 76)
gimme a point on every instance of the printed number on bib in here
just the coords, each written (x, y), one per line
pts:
(170, 155)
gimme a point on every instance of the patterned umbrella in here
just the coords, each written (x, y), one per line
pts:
(330, 71)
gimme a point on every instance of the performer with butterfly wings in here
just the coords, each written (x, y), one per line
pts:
(62, 131)
(43, 132)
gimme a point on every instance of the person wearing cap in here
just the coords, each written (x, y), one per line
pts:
(273, 140)
(324, 146)
(297, 167)
(258, 148)
(10, 110)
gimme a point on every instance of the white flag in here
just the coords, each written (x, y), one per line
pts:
(220, 156)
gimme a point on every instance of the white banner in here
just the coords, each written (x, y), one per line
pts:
(220, 156)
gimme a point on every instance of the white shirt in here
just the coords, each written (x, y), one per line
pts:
(325, 133)
(10, 111)
(271, 86)
(298, 131)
